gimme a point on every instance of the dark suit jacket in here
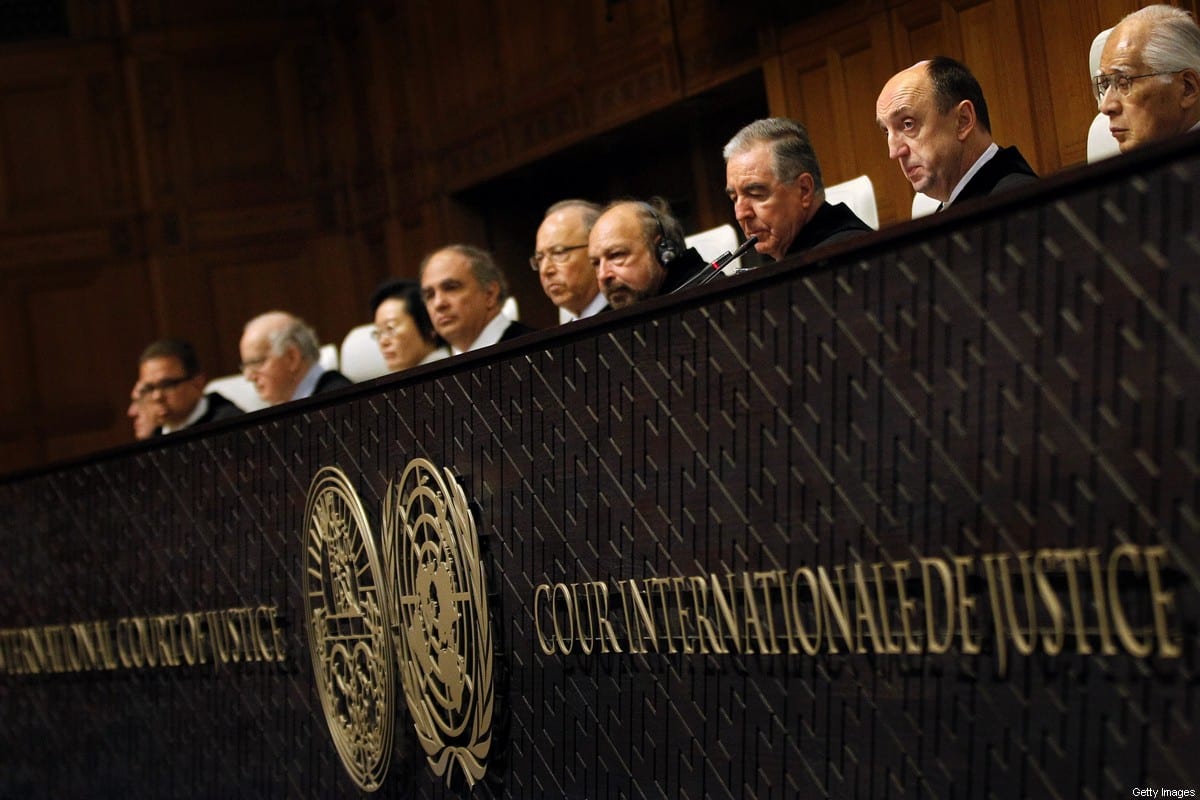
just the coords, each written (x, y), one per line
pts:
(1008, 168)
(219, 407)
(514, 330)
(331, 379)
(833, 222)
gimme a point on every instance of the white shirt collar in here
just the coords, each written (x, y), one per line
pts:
(436, 355)
(198, 411)
(490, 334)
(993, 148)
(308, 384)
(591, 309)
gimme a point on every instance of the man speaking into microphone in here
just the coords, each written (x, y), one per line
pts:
(774, 181)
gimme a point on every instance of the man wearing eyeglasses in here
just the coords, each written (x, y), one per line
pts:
(938, 129)
(561, 260)
(281, 356)
(170, 389)
(1148, 84)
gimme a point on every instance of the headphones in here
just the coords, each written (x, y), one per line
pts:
(665, 249)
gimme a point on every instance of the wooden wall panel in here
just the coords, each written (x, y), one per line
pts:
(313, 279)
(74, 394)
(60, 156)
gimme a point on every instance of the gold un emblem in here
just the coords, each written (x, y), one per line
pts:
(431, 593)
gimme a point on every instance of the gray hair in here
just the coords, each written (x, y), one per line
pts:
(792, 152)
(483, 266)
(589, 212)
(1173, 43)
(297, 332)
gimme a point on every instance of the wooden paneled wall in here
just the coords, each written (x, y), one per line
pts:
(176, 167)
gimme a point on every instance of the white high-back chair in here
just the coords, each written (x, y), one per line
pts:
(715, 242)
(510, 309)
(329, 356)
(859, 194)
(1100, 143)
(923, 205)
(360, 356)
(238, 390)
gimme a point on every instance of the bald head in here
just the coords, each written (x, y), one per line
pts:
(936, 122)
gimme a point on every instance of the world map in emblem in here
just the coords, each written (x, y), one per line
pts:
(442, 634)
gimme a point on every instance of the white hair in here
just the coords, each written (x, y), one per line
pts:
(1173, 43)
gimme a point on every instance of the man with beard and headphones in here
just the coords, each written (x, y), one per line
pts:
(638, 252)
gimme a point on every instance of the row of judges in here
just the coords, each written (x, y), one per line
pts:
(935, 122)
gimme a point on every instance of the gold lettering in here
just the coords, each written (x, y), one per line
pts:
(725, 610)
(278, 643)
(1162, 602)
(53, 647)
(1120, 621)
(642, 621)
(249, 634)
(168, 638)
(566, 642)
(786, 605)
(85, 646)
(189, 638)
(661, 585)
(834, 605)
(539, 604)
(907, 607)
(265, 644)
(809, 645)
(764, 631)
(929, 566)
(1069, 560)
(1052, 643)
(683, 614)
(607, 634)
(966, 603)
(146, 649)
(1024, 643)
(864, 613)
(997, 614)
(126, 648)
(885, 623)
(1107, 647)
(583, 609)
(706, 634)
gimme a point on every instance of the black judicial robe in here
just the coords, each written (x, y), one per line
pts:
(1008, 168)
(219, 407)
(833, 222)
(331, 379)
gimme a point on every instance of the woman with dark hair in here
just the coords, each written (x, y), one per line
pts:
(402, 327)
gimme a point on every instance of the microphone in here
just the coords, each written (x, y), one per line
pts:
(704, 276)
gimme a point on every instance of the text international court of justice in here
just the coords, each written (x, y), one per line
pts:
(599, 399)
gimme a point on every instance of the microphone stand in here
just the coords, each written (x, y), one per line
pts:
(704, 276)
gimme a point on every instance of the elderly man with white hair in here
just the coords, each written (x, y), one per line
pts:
(1148, 84)
(281, 357)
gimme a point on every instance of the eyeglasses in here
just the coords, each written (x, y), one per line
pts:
(147, 389)
(1122, 82)
(385, 332)
(557, 255)
(252, 364)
